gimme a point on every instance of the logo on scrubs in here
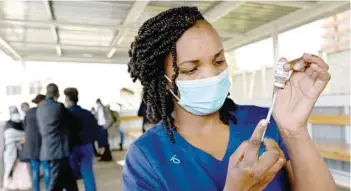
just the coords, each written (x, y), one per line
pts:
(175, 160)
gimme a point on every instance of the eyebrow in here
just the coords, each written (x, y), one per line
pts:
(191, 61)
(218, 53)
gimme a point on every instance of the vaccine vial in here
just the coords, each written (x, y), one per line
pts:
(280, 75)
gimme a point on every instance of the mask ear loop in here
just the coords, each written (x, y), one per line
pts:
(171, 90)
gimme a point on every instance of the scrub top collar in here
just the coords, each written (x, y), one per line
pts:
(191, 150)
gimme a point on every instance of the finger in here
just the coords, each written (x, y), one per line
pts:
(262, 184)
(314, 76)
(322, 76)
(276, 167)
(309, 71)
(271, 144)
(297, 65)
(316, 60)
(300, 65)
(268, 176)
(266, 162)
(238, 154)
(255, 142)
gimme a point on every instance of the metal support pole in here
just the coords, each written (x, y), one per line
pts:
(264, 82)
(275, 38)
(25, 83)
(244, 79)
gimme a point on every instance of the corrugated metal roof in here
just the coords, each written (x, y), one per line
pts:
(103, 30)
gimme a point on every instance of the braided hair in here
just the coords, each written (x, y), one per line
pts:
(157, 38)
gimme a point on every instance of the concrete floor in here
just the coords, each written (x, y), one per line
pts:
(107, 174)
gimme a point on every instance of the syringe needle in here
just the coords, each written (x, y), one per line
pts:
(269, 115)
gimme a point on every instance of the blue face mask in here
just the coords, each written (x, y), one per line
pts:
(204, 96)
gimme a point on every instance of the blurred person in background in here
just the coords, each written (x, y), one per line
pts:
(205, 141)
(92, 110)
(96, 153)
(105, 121)
(56, 126)
(142, 112)
(82, 155)
(24, 108)
(32, 146)
(115, 130)
(16, 173)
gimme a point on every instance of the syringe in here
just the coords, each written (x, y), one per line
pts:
(280, 78)
(269, 115)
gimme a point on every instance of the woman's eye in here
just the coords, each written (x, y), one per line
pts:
(219, 62)
(191, 71)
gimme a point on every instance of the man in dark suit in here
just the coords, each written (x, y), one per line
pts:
(55, 127)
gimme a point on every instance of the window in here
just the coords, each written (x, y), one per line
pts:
(13, 90)
(35, 88)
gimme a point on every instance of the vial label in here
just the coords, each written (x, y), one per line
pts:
(280, 75)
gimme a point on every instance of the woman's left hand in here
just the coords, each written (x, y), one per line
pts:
(295, 102)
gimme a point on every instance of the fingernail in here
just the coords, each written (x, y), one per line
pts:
(297, 66)
(314, 65)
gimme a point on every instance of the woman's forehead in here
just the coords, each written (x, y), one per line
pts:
(198, 41)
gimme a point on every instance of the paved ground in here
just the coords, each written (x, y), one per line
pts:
(107, 174)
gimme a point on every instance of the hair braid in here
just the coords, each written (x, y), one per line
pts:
(156, 38)
(175, 67)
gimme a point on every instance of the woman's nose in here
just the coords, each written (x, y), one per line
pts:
(211, 71)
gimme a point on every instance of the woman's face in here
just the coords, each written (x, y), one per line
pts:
(200, 53)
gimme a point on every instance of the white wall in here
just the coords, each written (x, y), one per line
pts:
(337, 91)
(339, 68)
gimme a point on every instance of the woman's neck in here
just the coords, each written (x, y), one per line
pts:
(189, 124)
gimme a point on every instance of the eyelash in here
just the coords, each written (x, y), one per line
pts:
(193, 70)
(219, 62)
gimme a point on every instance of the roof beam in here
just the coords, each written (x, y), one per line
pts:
(295, 19)
(49, 11)
(87, 27)
(222, 9)
(132, 17)
(225, 34)
(65, 46)
(10, 49)
(296, 4)
(76, 59)
(32, 23)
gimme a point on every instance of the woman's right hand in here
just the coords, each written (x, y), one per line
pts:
(247, 171)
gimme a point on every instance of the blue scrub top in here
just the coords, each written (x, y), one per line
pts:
(154, 163)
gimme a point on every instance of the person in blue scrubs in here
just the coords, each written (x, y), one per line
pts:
(204, 141)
